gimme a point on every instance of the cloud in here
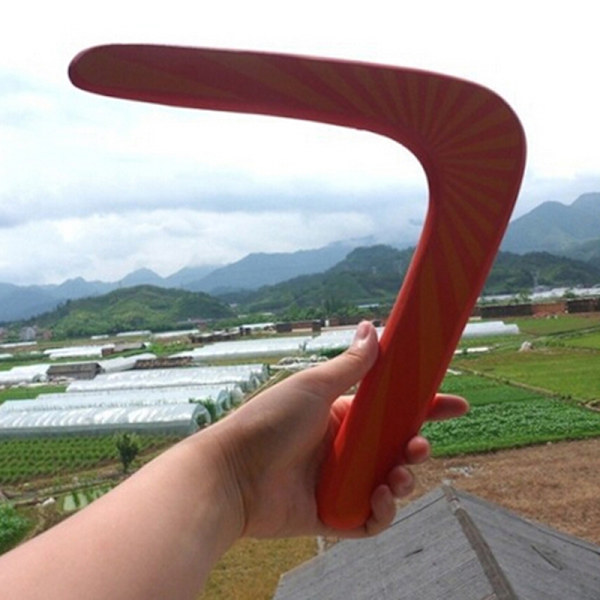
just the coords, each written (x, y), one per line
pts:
(96, 186)
(107, 247)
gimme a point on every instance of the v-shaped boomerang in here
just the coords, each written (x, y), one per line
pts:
(472, 148)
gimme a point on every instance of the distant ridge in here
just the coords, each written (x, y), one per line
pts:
(374, 275)
(251, 272)
(130, 309)
(552, 229)
(556, 228)
(259, 269)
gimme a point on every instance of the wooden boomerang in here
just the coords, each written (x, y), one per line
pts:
(472, 148)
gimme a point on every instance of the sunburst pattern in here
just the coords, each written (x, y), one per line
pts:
(472, 148)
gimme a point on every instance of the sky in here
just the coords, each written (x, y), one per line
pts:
(98, 187)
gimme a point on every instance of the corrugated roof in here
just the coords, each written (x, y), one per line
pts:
(451, 545)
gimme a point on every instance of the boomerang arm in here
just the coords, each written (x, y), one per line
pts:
(472, 148)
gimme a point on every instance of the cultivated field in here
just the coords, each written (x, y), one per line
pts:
(530, 442)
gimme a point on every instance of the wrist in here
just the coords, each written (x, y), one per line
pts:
(216, 504)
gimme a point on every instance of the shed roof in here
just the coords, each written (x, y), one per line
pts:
(451, 545)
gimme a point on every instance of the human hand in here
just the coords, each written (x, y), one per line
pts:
(274, 446)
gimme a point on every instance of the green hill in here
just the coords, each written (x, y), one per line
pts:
(141, 307)
(514, 273)
(588, 252)
(367, 275)
(374, 275)
(555, 227)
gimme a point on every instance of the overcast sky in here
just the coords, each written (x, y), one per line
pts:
(98, 187)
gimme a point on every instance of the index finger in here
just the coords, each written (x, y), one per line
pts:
(447, 406)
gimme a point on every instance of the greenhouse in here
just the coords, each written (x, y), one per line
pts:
(244, 349)
(181, 419)
(178, 400)
(123, 363)
(297, 345)
(76, 351)
(475, 328)
(246, 376)
(24, 374)
(222, 395)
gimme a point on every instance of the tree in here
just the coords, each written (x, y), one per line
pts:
(128, 446)
(13, 526)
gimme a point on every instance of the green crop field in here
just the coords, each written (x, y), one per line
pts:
(569, 372)
(556, 324)
(590, 340)
(23, 460)
(493, 426)
(480, 390)
(519, 398)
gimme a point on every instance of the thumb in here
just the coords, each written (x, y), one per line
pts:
(335, 377)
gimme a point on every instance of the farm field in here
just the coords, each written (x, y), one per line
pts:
(504, 416)
(26, 460)
(564, 358)
(529, 442)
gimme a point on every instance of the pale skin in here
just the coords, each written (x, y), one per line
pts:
(158, 534)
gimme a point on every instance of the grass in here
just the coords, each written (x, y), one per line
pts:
(568, 372)
(252, 568)
(590, 340)
(13, 526)
(480, 390)
(542, 326)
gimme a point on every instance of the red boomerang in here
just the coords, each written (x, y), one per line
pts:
(472, 148)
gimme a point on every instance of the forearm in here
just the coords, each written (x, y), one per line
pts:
(157, 535)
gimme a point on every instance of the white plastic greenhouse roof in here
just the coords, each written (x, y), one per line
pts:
(475, 328)
(76, 351)
(120, 398)
(24, 374)
(123, 363)
(327, 340)
(257, 348)
(175, 333)
(172, 417)
(272, 346)
(153, 378)
(334, 339)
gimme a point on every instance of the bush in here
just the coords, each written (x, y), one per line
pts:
(13, 527)
(128, 446)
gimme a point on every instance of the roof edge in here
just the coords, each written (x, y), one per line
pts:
(494, 573)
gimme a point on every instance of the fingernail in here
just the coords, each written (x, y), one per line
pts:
(362, 333)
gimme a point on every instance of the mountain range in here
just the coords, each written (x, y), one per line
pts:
(565, 230)
(251, 272)
(571, 231)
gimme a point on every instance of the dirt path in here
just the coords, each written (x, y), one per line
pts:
(555, 484)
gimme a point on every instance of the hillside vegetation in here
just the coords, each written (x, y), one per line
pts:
(556, 228)
(514, 273)
(129, 309)
(367, 276)
(374, 275)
